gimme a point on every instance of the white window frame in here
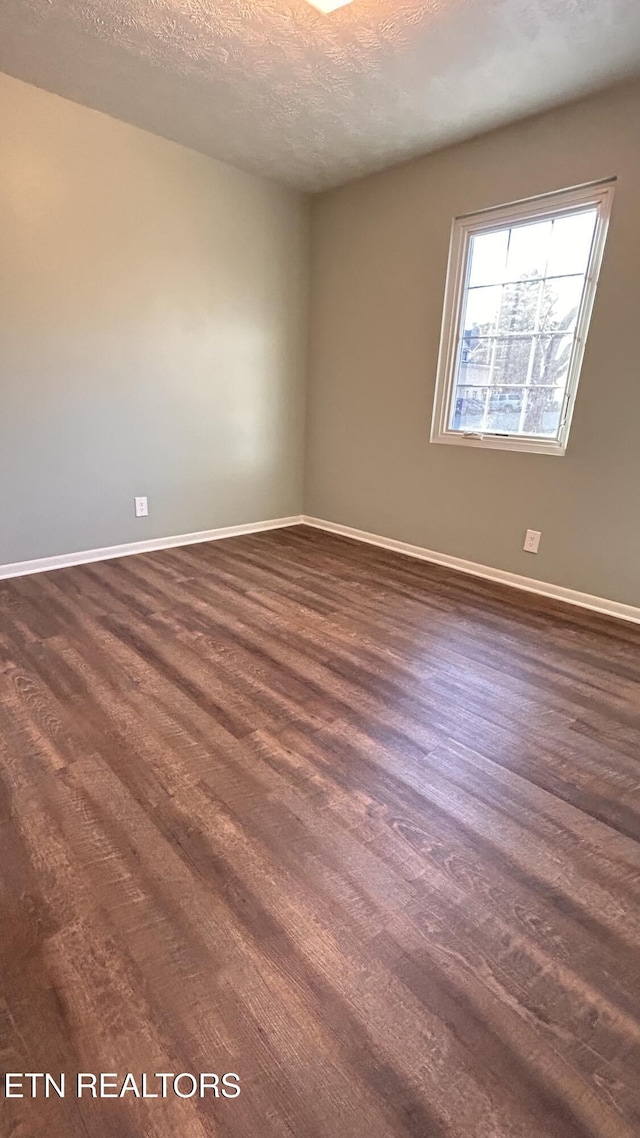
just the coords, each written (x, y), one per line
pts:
(546, 206)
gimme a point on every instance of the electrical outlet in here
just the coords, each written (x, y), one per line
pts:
(142, 507)
(532, 540)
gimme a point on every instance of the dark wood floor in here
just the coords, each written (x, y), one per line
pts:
(361, 830)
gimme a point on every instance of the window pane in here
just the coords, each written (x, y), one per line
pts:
(488, 257)
(528, 250)
(468, 408)
(571, 243)
(511, 360)
(543, 411)
(519, 310)
(551, 360)
(482, 310)
(475, 365)
(560, 304)
(503, 408)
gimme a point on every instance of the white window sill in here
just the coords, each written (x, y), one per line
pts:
(501, 442)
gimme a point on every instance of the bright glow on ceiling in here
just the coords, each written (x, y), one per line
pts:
(281, 89)
(328, 5)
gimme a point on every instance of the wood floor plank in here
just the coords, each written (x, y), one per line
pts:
(361, 829)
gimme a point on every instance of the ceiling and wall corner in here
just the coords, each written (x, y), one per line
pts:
(313, 100)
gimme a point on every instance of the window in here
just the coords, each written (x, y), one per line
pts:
(520, 289)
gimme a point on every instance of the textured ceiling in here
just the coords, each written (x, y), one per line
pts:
(313, 100)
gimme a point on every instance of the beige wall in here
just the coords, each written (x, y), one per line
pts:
(379, 256)
(152, 334)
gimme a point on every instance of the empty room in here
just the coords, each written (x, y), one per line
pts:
(319, 569)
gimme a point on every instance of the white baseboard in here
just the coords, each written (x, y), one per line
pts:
(65, 560)
(529, 584)
(503, 576)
